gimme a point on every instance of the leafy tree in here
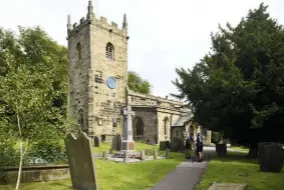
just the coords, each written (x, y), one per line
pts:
(33, 87)
(238, 88)
(137, 84)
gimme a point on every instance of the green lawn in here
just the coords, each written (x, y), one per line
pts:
(237, 169)
(239, 148)
(118, 176)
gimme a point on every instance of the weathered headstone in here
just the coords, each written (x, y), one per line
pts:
(155, 154)
(104, 155)
(142, 156)
(164, 145)
(228, 186)
(271, 159)
(260, 150)
(96, 141)
(81, 162)
(221, 150)
(116, 142)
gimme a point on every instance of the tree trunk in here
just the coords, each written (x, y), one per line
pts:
(253, 150)
(22, 153)
(20, 165)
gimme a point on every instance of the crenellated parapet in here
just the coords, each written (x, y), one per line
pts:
(102, 22)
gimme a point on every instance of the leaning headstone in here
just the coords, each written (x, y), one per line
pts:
(142, 156)
(272, 158)
(116, 142)
(96, 142)
(228, 186)
(81, 162)
(221, 150)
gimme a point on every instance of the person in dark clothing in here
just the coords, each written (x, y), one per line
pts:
(199, 146)
(188, 145)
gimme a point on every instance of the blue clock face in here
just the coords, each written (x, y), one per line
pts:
(111, 82)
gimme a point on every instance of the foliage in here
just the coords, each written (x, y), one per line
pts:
(216, 137)
(51, 151)
(137, 84)
(238, 88)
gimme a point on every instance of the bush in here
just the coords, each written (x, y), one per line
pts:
(50, 151)
(9, 157)
(216, 137)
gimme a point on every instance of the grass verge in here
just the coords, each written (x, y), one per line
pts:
(236, 168)
(118, 176)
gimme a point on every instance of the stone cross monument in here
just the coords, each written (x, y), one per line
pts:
(128, 144)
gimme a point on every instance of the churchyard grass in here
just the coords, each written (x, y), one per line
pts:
(236, 168)
(239, 148)
(118, 176)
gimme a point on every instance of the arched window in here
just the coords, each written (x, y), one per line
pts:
(81, 121)
(191, 129)
(139, 126)
(109, 51)
(166, 125)
(79, 51)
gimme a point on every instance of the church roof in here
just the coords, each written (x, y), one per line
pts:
(182, 120)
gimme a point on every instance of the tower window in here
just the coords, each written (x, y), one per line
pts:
(79, 50)
(109, 51)
(166, 125)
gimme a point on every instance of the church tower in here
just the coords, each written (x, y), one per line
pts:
(97, 53)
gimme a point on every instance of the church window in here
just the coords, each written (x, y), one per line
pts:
(139, 125)
(81, 119)
(79, 51)
(166, 123)
(109, 51)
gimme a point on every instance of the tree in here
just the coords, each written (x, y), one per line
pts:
(32, 88)
(137, 84)
(238, 87)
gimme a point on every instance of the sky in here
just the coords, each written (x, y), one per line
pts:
(164, 34)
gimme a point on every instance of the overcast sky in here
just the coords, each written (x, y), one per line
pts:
(164, 34)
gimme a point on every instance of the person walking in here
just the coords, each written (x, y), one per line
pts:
(199, 146)
(188, 146)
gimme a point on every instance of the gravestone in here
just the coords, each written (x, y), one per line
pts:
(104, 155)
(221, 150)
(81, 162)
(271, 159)
(142, 155)
(155, 154)
(228, 186)
(177, 145)
(116, 142)
(96, 141)
(260, 149)
(164, 145)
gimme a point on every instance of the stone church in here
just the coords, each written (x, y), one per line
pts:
(97, 90)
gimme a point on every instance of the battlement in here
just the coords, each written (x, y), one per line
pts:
(101, 22)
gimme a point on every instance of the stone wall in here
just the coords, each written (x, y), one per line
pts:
(35, 174)
(146, 119)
